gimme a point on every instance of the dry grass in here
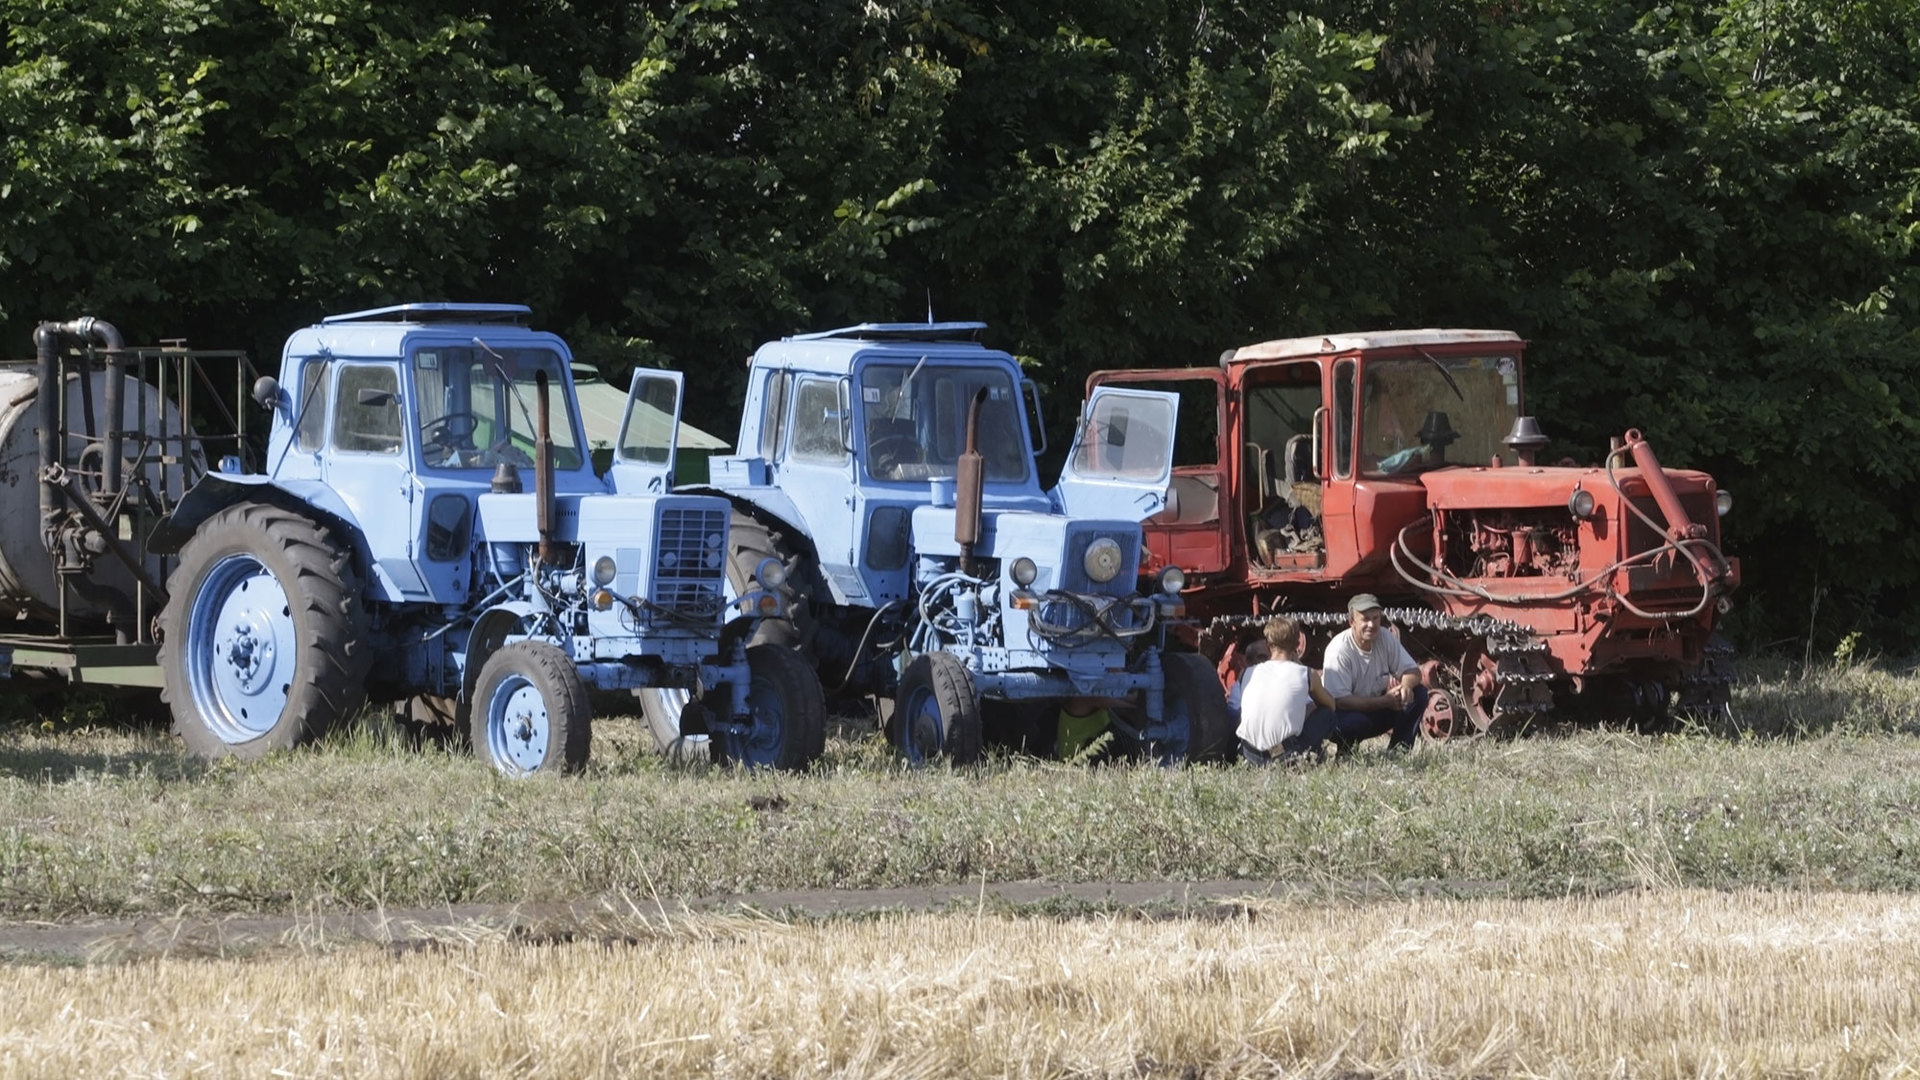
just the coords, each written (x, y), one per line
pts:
(1644, 984)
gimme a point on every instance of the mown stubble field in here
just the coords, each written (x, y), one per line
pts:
(1711, 902)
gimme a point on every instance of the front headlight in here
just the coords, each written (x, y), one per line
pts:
(1722, 502)
(1023, 571)
(1580, 504)
(771, 574)
(603, 571)
(1172, 580)
(1103, 559)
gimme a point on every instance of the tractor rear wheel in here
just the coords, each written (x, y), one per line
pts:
(1194, 694)
(789, 719)
(530, 711)
(263, 641)
(936, 714)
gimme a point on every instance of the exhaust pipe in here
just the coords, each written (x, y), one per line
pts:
(1679, 526)
(969, 486)
(543, 467)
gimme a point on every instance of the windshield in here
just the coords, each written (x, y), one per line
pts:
(479, 406)
(916, 421)
(1422, 412)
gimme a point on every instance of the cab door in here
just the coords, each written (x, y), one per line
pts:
(1121, 461)
(649, 434)
(1192, 530)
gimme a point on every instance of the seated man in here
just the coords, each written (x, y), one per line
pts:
(1375, 683)
(1284, 712)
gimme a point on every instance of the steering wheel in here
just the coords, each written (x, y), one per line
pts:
(446, 435)
(888, 452)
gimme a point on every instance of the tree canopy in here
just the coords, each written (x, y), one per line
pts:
(1702, 214)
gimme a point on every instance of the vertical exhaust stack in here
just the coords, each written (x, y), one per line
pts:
(969, 486)
(543, 467)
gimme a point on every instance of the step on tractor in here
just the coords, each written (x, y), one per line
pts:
(889, 470)
(1403, 464)
(424, 526)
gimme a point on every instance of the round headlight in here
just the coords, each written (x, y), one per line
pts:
(1023, 571)
(771, 573)
(603, 570)
(1580, 503)
(1103, 559)
(1172, 580)
(1722, 502)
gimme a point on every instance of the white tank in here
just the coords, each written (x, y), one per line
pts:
(28, 585)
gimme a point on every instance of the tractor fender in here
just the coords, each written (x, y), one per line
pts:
(769, 504)
(216, 491)
(490, 631)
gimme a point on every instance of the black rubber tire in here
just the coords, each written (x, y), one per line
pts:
(324, 603)
(952, 732)
(783, 681)
(1193, 685)
(569, 716)
(750, 542)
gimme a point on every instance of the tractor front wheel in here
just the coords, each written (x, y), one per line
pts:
(530, 711)
(263, 642)
(1194, 695)
(936, 714)
(789, 729)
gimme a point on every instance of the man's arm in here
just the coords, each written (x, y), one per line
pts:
(1318, 691)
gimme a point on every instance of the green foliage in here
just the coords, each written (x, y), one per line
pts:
(1701, 213)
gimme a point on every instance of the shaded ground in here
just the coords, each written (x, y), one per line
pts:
(127, 939)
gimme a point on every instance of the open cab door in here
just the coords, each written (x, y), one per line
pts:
(1122, 456)
(1195, 530)
(649, 433)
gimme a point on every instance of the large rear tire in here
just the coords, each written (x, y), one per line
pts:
(263, 641)
(789, 715)
(936, 714)
(1194, 694)
(530, 711)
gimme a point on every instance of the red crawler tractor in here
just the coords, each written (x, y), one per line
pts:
(1402, 463)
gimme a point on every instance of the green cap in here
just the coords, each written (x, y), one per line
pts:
(1366, 601)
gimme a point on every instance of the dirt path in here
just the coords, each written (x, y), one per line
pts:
(124, 939)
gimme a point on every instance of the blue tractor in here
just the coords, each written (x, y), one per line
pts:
(889, 470)
(429, 529)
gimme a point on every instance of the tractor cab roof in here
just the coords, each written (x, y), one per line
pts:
(1301, 347)
(926, 331)
(840, 351)
(392, 332)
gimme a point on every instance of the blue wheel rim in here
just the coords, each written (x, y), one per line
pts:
(519, 727)
(922, 729)
(766, 708)
(241, 650)
(1179, 742)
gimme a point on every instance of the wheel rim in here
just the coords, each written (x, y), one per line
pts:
(922, 730)
(767, 710)
(664, 708)
(241, 649)
(518, 727)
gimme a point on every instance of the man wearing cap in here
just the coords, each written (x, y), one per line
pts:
(1375, 683)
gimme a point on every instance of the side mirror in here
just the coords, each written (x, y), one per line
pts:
(266, 391)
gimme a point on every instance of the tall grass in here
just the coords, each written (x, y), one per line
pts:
(1818, 789)
(1634, 984)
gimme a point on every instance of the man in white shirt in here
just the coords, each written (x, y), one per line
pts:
(1284, 711)
(1375, 683)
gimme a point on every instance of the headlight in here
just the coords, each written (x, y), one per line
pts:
(1103, 559)
(1172, 580)
(1580, 504)
(603, 571)
(1722, 502)
(771, 573)
(1023, 571)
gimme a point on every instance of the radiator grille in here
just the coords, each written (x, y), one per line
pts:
(690, 564)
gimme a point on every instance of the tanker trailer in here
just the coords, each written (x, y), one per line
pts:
(86, 471)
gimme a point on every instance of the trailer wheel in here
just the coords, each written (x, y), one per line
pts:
(789, 716)
(1193, 693)
(530, 711)
(263, 642)
(936, 714)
